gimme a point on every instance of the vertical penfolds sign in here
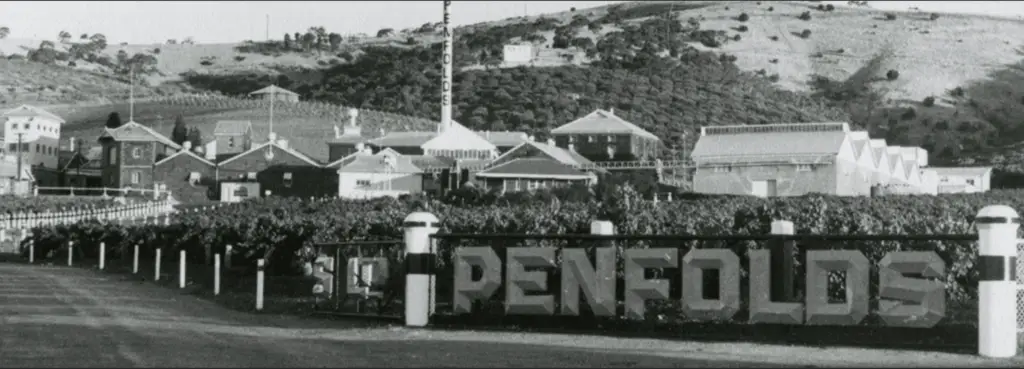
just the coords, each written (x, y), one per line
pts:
(446, 65)
(911, 291)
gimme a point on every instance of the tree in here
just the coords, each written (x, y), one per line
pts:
(385, 32)
(188, 41)
(298, 38)
(335, 40)
(180, 132)
(46, 45)
(84, 36)
(4, 32)
(287, 41)
(321, 35)
(113, 120)
(99, 41)
(172, 41)
(64, 37)
(195, 137)
(307, 40)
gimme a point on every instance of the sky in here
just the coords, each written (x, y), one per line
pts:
(142, 22)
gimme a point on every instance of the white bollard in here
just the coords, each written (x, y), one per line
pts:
(227, 256)
(156, 276)
(135, 260)
(181, 269)
(997, 290)
(419, 258)
(71, 251)
(103, 255)
(31, 251)
(260, 265)
(216, 274)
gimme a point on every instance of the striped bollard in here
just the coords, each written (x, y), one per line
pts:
(260, 266)
(71, 251)
(156, 273)
(997, 286)
(103, 255)
(419, 259)
(181, 269)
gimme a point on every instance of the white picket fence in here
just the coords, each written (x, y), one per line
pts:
(118, 213)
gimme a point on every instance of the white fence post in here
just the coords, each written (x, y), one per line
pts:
(419, 257)
(71, 251)
(227, 256)
(103, 255)
(31, 251)
(156, 276)
(181, 269)
(216, 274)
(260, 265)
(135, 260)
(997, 290)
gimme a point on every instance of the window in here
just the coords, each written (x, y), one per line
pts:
(251, 175)
(944, 179)
(231, 142)
(572, 138)
(590, 138)
(287, 179)
(532, 185)
(363, 183)
(194, 177)
(136, 177)
(13, 147)
(803, 168)
(136, 152)
(610, 138)
(970, 182)
(242, 192)
(38, 148)
(723, 169)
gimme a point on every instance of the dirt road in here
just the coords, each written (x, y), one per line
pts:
(54, 316)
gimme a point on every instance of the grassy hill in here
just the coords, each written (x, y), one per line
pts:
(948, 82)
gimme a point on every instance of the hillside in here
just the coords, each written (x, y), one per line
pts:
(946, 82)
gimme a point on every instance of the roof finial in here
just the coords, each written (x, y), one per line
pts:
(611, 111)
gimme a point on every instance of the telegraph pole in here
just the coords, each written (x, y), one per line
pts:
(268, 27)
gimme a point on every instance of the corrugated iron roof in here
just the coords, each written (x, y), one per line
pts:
(403, 139)
(600, 121)
(532, 167)
(504, 138)
(133, 131)
(274, 89)
(232, 127)
(377, 164)
(32, 111)
(775, 144)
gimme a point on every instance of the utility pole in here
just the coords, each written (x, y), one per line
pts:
(268, 27)
(20, 150)
(131, 94)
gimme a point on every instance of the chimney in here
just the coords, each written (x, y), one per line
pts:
(353, 113)
(572, 147)
(282, 143)
(551, 142)
(71, 145)
(187, 146)
(211, 151)
(529, 138)
(337, 132)
(611, 111)
(272, 136)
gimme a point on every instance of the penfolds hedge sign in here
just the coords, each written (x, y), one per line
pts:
(910, 294)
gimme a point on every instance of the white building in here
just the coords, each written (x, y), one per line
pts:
(963, 179)
(39, 133)
(518, 53)
(387, 173)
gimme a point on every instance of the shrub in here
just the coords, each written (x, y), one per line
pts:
(206, 63)
(239, 58)
(840, 51)
(742, 28)
(929, 101)
(909, 114)
(830, 7)
(892, 75)
(156, 51)
(774, 61)
(736, 38)
(805, 33)
(805, 16)
(322, 63)
(743, 17)
(72, 64)
(410, 41)
(774, 77)
(890, 16)
(771, 8)
(773, 38)
(933, 16)
(821, 7)
(957, 92)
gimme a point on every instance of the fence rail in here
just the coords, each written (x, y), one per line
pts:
(24, 220)
(99, 191)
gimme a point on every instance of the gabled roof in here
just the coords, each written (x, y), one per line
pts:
(403, 139)
(133, 131)
(600, 121)
(559, 154)
(533, 168)
(232, 128)
(81, 160)
(878, 148)
(376, 164)
(188, 153)
(760, 145)
(288, 150)
(31, 111)
(504, 138)
(274, 89)
(347, 139)
(962, 171)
